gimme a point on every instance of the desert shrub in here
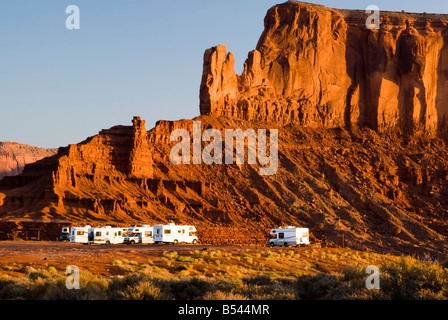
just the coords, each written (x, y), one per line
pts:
(185, 288)
(261, 280)
(144, 290)
(42, 274)
(52, 269)
(406, 280)
(185, 259)
(346, 290)
(427, 294)
(13, 290)
(119, 284)
(87, 292)
(117, 263)
(315, 287)
(234, 284)
(92, 287)
(413, 279)
(40, 289)
(354, 273)
(182, 267)
(170, 255)
(220, 295)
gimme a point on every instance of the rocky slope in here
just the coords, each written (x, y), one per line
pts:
(379, 191)
(352, 163)
(317, 66)
(14, 156)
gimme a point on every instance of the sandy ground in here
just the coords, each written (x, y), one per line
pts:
(97, 259)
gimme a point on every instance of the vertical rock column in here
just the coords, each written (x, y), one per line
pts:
(140, 161)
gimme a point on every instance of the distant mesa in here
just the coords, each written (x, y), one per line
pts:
(14, 156)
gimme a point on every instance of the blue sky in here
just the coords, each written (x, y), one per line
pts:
(133, 57)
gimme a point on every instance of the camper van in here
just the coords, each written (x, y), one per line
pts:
(172, 233)
(289, 236)
(108, 235)
(143, 234)
(65, 234)
(81, 234)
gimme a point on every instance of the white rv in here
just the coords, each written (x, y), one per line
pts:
(81, 234)
(143, 234)
(172, 233)
(289, 236)
(65, 234)
(108, 235)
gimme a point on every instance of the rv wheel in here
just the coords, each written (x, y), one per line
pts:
(107, 243)
(271, 244)
(132, 242)
(175, 241)
(195, 241)
(286, 244)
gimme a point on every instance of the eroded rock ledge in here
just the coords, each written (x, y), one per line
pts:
(317, 66)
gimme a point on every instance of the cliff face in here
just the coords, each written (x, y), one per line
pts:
(14, 156)
(317, 66)
(377, 190)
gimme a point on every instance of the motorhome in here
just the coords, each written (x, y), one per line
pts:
(108, 235)
(289, 236)
(81, 234)
(172, 233)
(65, 234)
(143, 234)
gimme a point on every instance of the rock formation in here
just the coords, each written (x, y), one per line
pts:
(14, 156)
(340, 97)
(317, 66)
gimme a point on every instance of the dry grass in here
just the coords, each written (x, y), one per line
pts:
(280, 273)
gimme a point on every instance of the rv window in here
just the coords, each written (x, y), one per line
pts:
(148, 234)
(158, 231)
(80, 233)
(98, 234)
(304, 234)
(281, 235)
(178, 231)
(167, 231)
(119, 233)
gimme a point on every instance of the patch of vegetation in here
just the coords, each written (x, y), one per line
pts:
(249, 274)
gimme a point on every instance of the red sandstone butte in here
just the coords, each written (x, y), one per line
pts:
(322, 67)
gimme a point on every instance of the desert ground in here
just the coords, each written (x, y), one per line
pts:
(17, 256)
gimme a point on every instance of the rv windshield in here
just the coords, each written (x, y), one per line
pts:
(135, 234)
